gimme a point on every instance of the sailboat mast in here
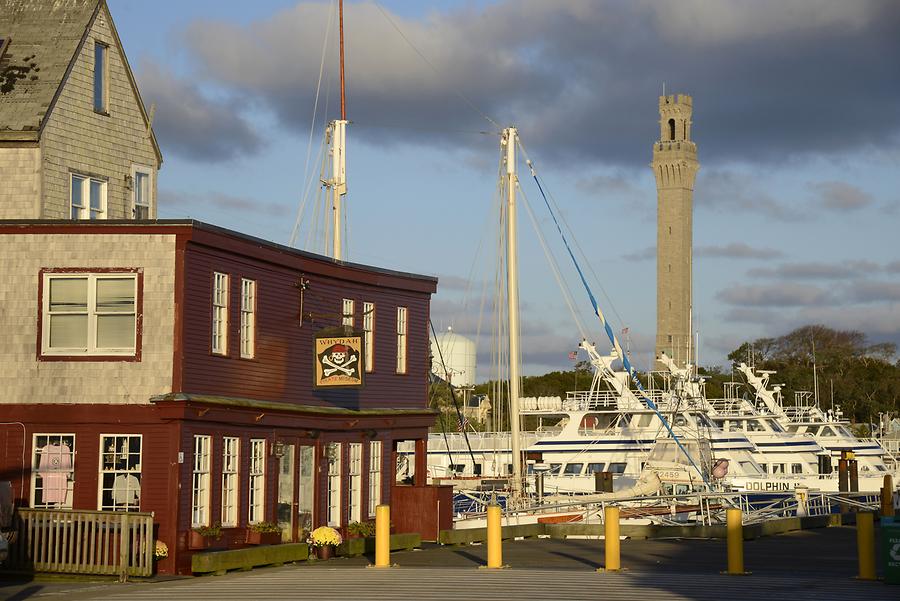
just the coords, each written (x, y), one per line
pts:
(338, 158)
(512, 295)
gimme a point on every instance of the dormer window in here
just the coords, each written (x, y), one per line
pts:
(101, 70)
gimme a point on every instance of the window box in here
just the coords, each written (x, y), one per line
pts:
(197, 541)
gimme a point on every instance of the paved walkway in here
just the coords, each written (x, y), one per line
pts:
(817, 564)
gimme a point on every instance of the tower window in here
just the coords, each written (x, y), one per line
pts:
(670, 268)
(671, 129)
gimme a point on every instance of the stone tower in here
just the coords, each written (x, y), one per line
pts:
(675, 167)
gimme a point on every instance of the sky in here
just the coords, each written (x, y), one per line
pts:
(796, 120)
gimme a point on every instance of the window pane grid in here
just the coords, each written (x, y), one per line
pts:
(369, 329)
(347, 312)
(401, 340)
(230, 466)
(53, 471)
(220, 314)
(90, 314)
(248, 318)
(334, 483)
(200, 482)
(374, 475)
(256, 486)
(87, 197)
(120, 472)
(354, 469)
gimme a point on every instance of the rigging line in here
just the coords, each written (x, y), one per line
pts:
(612, 336)
(554, 266)
(462, 96)
(307, 191)
(312, 123)
(577, 244)
(459, 414)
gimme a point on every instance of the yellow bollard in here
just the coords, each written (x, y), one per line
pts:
(865, 543)
(383, 536)
(494, 538)
(887, 497)
(735, 530)
(611, 540)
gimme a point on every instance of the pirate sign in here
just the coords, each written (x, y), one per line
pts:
(338, 361)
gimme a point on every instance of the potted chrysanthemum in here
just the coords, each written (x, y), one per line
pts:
(263, 533)
(324, 541)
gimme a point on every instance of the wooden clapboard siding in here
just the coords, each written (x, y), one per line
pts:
(282, 368)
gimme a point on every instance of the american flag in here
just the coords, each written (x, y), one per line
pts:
(624, 331)
(573, 355)
(461, 424)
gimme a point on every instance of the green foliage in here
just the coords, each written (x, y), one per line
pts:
(214, 531)
(361, 529)
(264, 527)
(858, 376)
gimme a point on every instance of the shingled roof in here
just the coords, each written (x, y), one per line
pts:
(42, 39)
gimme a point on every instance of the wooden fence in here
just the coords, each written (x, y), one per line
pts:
(83, 542)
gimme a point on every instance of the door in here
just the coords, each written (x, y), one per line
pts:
(306, 466)
(285, 505)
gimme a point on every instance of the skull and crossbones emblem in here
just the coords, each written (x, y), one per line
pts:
(339, 359)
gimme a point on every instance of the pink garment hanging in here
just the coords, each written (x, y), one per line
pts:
(53, 468)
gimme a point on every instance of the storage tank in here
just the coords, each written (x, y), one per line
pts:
(458, 353)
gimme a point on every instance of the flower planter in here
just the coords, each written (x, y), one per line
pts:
(262, 538)
(324, 552)
(197, 541)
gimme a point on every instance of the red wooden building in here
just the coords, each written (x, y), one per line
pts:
(171, 367)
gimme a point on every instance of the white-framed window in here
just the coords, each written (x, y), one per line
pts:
(101, 73)
(369, 330)
(333, 451)
(220, 313)
(354, 484)
(200, 482)
(347, 307)
(257, 484)
(401, 340)
(53, 471)
(89, 314)
(248, 318)
(231, 447)
(87, 197)
(120, 472)
(141, 191)
(374, 475)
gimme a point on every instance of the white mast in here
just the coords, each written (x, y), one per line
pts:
(338, 134)
(512, 294)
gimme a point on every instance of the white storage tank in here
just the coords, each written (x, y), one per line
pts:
(458, 353)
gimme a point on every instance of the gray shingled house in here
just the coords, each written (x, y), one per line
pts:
(75, 138)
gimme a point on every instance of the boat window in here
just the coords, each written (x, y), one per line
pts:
(775, 425)
(778, 468)
(814, 430)
(554, 468)
(750, 468)
(755, 426)
(682, 489)
(880, 468)
(509, 468)
(793, 428)
(459, 468)
(477, 469)
(573, 469)
(765, 467)
(593, 468)
(645, 420)
(844, 431)
(705, 421)
(625, 420)
(617, 468)
(733, 426)
(679, 420)
(827, 431)
(796, 468)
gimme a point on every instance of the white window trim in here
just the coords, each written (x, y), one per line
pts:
(138, 472)
(369, 331)
(150, 173)
(231, 476)
(35, 462)
(200, 492)
(219, 335)
(348, 306)
(85, 210)
(256, 483)
(334, 451)
(248, 318)
(375, 462)
(92, 314)
(354, 483)
(402, 333)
